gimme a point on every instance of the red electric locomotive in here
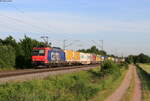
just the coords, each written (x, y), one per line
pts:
(39, 56)
(46, 56)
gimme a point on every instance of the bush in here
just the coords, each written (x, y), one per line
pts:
(110, 68)
(7, 57)
(124, 65)
(22, 50)
(69, 87)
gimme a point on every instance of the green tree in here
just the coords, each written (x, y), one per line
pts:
(27, 45)
(21, 49)
(10, 41)
(7, 57)
(94, 50)
(141, 58)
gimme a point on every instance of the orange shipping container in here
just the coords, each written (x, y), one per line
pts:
(76, 56)
(69, 55)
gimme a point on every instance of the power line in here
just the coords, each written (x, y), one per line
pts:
(18, 9)
(67, 45)
(20, 21)
(23, 13)
(6, 26)
(23, 22)
(100, 44)
(31, 24)
(46, 24)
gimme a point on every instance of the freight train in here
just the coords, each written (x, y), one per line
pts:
(54, 57)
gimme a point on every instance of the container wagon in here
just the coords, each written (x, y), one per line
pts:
(85, 58)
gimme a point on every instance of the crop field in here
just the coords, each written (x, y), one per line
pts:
(144, 72)
(145, 67)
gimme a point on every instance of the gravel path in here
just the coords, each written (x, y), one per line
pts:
(119, 93)
(137, 88)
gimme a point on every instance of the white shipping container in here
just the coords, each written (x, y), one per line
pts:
(85, 58)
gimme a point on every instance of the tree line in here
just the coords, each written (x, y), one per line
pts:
(94, 50)
(17, 54)
(141, 58)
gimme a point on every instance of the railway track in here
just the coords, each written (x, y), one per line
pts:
(28, 74)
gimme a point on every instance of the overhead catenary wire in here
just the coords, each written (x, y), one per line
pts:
(23, 13)
(8, 27)
(23, 22)
(100, 45)
(15, 7)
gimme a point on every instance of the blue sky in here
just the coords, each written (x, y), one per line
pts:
(124, 25)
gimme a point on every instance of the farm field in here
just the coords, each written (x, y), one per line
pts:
(145, 67)
(144, 72)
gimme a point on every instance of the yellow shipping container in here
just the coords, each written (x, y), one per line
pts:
(76, 56)
(98, 58)
(111, 58)
(69, 55)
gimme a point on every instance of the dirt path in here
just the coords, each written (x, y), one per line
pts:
(137, 88)
(119, 93)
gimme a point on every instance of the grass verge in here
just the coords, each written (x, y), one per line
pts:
(6, 69)
(77, 86)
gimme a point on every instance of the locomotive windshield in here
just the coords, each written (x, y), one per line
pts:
(37, 52)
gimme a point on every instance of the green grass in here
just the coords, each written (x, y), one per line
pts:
(6, 69)
(78, 86)
(68, 87)
(143, 71)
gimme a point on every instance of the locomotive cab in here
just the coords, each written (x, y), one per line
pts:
(39, 56)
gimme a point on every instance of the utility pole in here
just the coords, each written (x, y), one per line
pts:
(67, 45)
(64, 44)
(45, 38)
(100, 44)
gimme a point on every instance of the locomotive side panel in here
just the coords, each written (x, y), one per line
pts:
(56, 58)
